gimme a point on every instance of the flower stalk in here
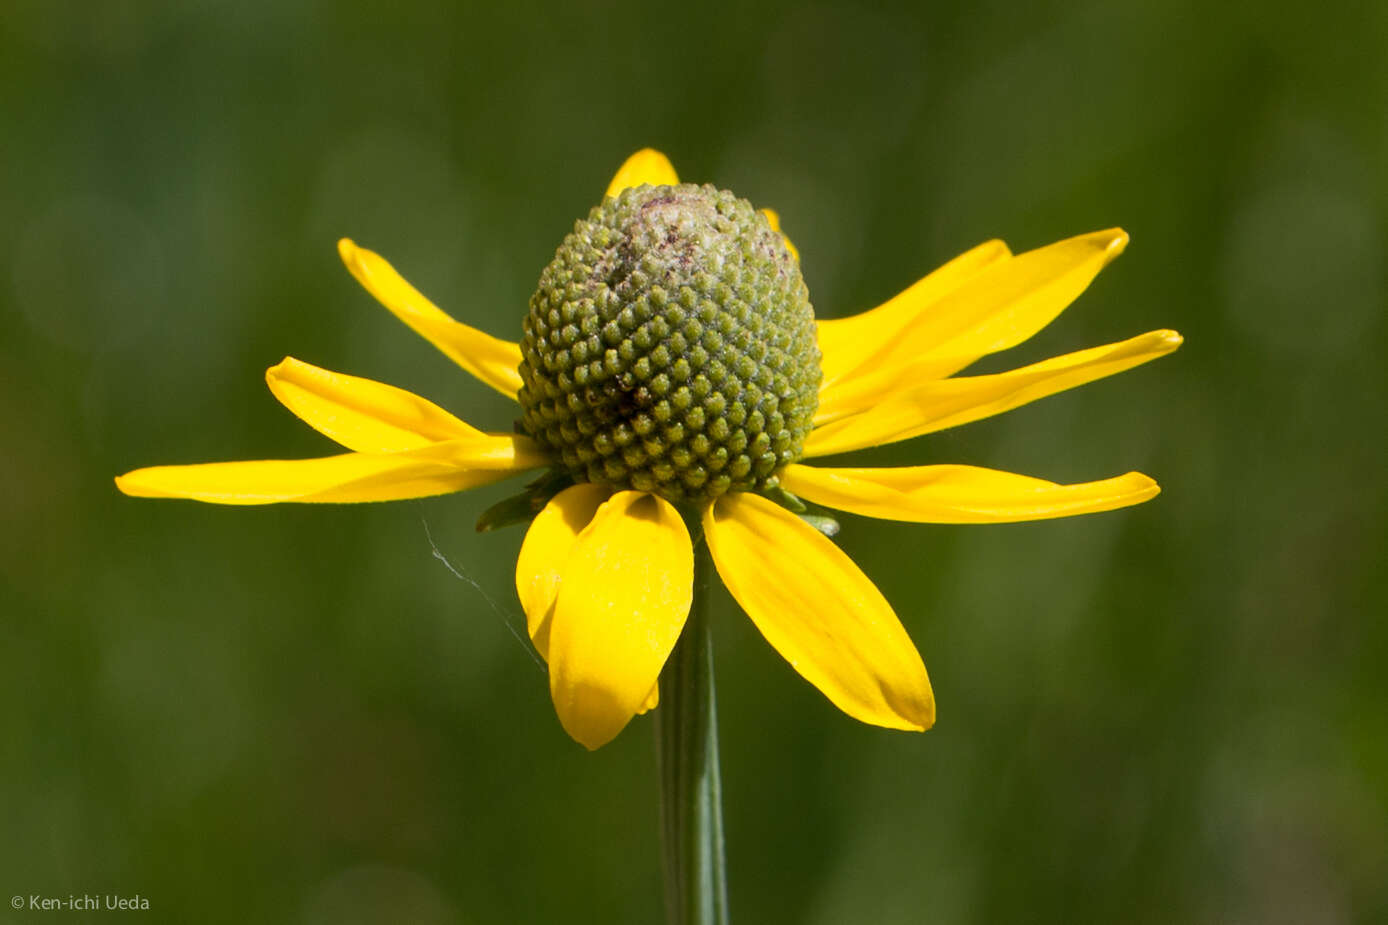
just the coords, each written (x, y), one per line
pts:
(691, 798)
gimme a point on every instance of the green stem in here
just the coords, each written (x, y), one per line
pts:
(691, 797)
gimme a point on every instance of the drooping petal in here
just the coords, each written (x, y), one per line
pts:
(647, 167)
(546, 548)
(960, 494)
(773, 218)
(623, 599)
(914, 409)
(998, 307)
(819, 611)
(361, 414)
(846, 343)
(492, 360)
(433, 470)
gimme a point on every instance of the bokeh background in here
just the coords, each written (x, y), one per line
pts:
(1175, 713)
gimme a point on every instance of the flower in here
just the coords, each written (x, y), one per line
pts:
(605, 571)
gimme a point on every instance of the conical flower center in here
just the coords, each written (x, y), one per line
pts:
(670, 347)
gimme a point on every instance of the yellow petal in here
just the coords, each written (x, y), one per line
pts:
(960, 494)
(432, 470)
(847, 343)
(496, 362)
(935, 405)
(999, 307)
(547, 545)
(647, 167)
(819, 611)
(623, 600)
(1022, 298)
(774, 220)
(360, 414)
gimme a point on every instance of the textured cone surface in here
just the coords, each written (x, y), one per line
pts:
(670, 347)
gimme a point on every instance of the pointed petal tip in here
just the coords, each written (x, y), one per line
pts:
(1143, 484)
(593, 727)
(923, 722)
(275, 372)
(918, 715)
(904, 717)
(358, 261)
(591, 743)
(584, 734)
(132, 485)
(593, 732)
(1115, 241)
(994, 249)
(354, 258)
(1158, 343)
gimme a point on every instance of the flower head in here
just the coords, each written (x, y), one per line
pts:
(671, 373)
(671, 347)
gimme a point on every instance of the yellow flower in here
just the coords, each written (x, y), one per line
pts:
(605, 573)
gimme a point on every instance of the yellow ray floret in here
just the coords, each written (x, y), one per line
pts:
(492, 360)
(432, 470)
(819, 611)
(361, 414)
(847, 343)
(979, 303)
(888, 411)
(960, 494)
(548, 542)
(647, 167)
(623, 599)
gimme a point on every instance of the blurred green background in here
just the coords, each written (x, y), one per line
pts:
(1174, 713)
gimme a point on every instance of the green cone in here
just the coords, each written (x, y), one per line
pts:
(670, 347)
